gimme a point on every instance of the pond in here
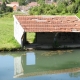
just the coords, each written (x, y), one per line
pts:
(40, 65)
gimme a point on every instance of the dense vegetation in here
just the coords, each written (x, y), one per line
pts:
(4, 8)
(21, 2)
(61, 7)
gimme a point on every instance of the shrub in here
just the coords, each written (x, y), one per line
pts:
(9, 9)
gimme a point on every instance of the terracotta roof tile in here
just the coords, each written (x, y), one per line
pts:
(49, 23)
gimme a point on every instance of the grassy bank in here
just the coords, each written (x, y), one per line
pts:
(7, 40)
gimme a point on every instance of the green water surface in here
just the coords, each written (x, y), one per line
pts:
(24, 64)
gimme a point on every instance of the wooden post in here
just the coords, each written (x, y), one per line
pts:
(23, 40)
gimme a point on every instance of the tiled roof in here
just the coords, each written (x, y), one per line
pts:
(23, 8)
(13, 4)
(33, 4)
(0, 2)
(49, 23)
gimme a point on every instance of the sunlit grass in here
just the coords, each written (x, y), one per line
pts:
(6, 33)
(30, 37)
(7, 40)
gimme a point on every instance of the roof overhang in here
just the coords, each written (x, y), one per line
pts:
(43, 23)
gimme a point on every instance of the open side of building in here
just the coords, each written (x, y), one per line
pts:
(49, 30)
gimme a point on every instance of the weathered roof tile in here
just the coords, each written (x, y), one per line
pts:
(49, 23)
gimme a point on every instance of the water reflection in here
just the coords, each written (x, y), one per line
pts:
(38, 63)
(30, 58)
(18, 69)
(31, 64)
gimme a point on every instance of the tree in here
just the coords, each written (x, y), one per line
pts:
(71, 8)
(77, 3)
(28, 1)
(41, 1)
(55, 0)
(61, 7)
(22, 2)
(9, 9)
(43, 9)
(3, 7)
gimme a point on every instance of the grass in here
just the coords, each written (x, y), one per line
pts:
(30, 37)
(7, 40)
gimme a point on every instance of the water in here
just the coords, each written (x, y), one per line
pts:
(40, 65)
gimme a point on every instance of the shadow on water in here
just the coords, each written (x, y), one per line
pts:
(40, 65)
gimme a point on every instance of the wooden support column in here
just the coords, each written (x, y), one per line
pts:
(23, 40)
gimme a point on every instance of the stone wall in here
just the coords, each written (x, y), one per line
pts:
(61, 38)
(44, 38)
(68, 38)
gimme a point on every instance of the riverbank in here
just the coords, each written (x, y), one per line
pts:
(50, 47)
(32, 47)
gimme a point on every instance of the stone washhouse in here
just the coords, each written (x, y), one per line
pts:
(65, 30)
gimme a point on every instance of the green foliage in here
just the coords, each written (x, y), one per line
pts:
(70, 8)
(21, 2)
(28, 1)
(30, 37)
(9, 9)
(3, 7)
(44, 9)
(0, 12)
(41, 1)
(63, 7)
(78, 14)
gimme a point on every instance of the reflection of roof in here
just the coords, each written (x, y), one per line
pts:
(72, 70)
(49, 23)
